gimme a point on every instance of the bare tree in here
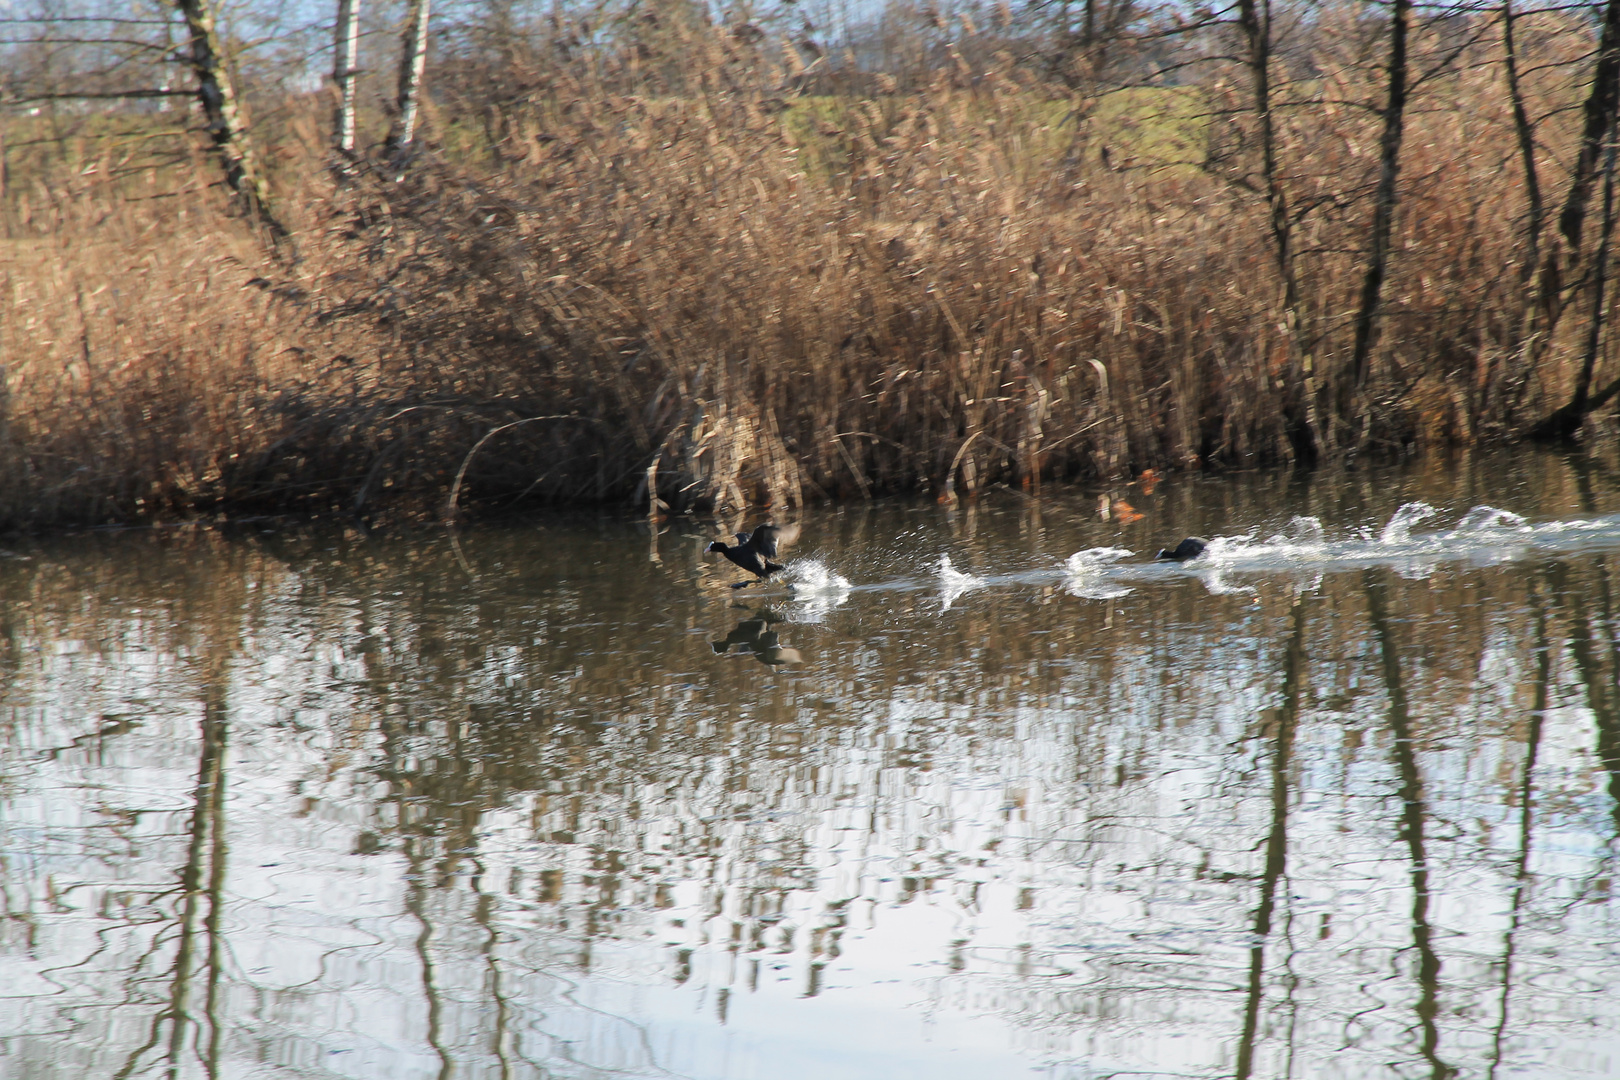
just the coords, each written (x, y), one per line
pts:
(1561, 275)
(1525, 132)
(1527, 329)
(345, 69)
(1254, 18)
(1598, 118)
(412, 68)
(222, 109)
(1563, 422)
(1384, 201)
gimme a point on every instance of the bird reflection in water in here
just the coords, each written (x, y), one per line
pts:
(754, 635)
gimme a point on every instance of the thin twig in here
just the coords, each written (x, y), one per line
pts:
(461, 474)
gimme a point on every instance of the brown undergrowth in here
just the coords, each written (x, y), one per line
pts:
(743, 295)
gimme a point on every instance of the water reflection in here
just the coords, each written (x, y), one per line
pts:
(1414, 819)
(753, 635)
(1279, 734)
(311, 804)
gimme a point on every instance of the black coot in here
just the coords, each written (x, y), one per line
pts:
(1190, 548)
(754, 552)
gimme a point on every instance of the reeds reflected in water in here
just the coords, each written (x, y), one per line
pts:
(327, 804)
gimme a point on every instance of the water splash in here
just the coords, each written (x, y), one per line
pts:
(1303, 540)
(953, 583)
(1223, 549)
(950, 575)
(1302, 531)
(1092, 560)
(818, 589)
(1478, 537)
(1087, 573)
(811, 576)
(1399, 528)
(1488, 519)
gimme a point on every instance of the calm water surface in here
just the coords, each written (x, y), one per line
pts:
(550, 800)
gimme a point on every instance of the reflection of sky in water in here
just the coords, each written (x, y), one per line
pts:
(533, 823)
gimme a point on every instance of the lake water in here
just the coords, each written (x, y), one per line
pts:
(1341, 799)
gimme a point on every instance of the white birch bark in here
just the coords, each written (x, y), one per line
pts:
(412, 67)
(345, 68)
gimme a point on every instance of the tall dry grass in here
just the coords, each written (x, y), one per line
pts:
(150, 365)
(746, 286)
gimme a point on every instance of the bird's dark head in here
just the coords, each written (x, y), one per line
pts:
(718, 545)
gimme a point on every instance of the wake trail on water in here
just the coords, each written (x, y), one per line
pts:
(1303, 550)
(1484, 535)
(1087, 574)
(1483, 532)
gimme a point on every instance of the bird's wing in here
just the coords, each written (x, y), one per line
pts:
(768, 538)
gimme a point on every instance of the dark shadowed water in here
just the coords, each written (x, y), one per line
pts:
(1341, 799)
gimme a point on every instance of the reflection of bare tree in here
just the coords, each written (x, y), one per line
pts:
(1587, 650)
(1526, 794)
(416, 892)
(1597, 680)
(484, 912)
(1411, 829)
(576, 788)
(202, 881)
(436, 819)
(1287, 718)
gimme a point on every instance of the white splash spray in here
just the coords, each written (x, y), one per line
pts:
(1399, 528)
(818, 589)
(1088, 573)
(1489, 520)
(953, 583)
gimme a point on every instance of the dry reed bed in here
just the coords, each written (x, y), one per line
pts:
(962, 284)
(149, 363)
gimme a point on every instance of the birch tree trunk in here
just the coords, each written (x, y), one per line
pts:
(345, 67)
(412, 67)
(222, 111)
(1389, 164)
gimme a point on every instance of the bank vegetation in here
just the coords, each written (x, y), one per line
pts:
(401, 263)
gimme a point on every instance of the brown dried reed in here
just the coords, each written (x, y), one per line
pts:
(746, 292)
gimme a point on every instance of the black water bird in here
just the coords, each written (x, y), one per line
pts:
(1188, 549)
(754, 552)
